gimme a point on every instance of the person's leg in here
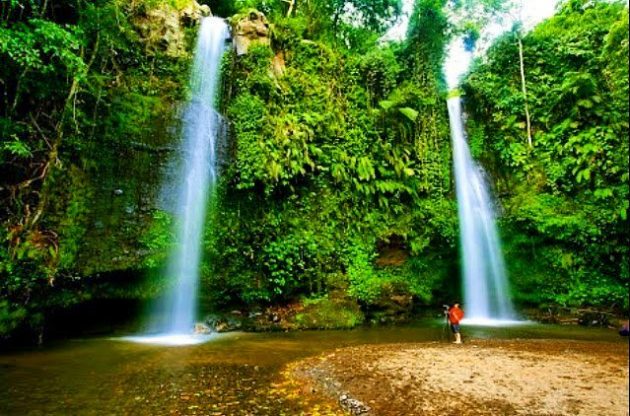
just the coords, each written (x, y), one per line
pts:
(458, 335)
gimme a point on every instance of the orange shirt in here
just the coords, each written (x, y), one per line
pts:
(455, 315)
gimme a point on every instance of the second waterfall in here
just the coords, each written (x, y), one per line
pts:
(195, 181)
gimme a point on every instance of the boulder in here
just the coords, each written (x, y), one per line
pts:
(594, 318)
(353, 406)
(162, 28)
(193, 13)
(250, 28)
(223, 323)
(201, 328)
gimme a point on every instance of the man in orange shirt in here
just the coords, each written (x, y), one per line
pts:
(455, 315)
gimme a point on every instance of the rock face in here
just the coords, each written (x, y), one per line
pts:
(392, 307)
(192, 14)
(248, 29)
(162, 28)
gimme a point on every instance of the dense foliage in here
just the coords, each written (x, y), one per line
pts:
(336, 190)
(566, 197)
(85, 105)
(339, 158)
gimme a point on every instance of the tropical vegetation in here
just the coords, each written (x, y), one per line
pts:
(337, 178)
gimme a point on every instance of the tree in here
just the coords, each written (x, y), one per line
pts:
(373, 15)
(518, 29)
(565, 200)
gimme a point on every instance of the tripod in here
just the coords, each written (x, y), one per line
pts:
(446, 327)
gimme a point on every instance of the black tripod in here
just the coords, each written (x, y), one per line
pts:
(446, 327)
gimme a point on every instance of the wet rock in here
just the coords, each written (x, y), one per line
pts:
(248, 29)
(353, 406)
(193, 13)
(222, 323)
(594, 318)
(392, 307)
(274, 317)
(201, 328)
(254, 314)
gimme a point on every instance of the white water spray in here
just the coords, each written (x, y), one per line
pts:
(486, 291)
(202, 129)
(202, 125)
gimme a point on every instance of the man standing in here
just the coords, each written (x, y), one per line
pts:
(455, 315)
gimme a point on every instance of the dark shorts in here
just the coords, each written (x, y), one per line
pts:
(455, 328)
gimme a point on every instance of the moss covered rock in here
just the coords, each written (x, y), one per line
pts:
(161, 28)
(250, 28)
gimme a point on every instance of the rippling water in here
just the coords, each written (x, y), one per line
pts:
(232, 374)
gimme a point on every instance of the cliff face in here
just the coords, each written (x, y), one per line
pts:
(123, 186)
(162, 28)
(94, 116)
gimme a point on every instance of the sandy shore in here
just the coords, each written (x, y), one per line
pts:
(543, 377)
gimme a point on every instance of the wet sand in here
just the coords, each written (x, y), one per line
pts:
(481, 377)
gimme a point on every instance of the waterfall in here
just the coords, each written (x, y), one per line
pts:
(201, 128)
(194, 183)
(486, 291)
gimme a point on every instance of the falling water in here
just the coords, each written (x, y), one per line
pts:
(486, 291)
(201, 126)
(202, 129)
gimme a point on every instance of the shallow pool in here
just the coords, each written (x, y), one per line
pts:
(232, 374)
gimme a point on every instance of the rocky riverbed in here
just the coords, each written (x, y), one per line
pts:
(411, 370)
(481, 377)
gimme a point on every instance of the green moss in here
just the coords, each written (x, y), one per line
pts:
(329, 313)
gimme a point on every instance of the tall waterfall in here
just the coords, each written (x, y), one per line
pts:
(197, 176)
(194, 182)
(486, 291)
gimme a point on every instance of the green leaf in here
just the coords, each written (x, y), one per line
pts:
(410, 113)
(17, 148)
(585, 103)
(385, 104)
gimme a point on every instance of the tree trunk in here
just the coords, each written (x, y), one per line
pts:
(291, 5)
(524, 89)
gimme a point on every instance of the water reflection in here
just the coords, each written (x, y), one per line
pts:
(232, 374)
